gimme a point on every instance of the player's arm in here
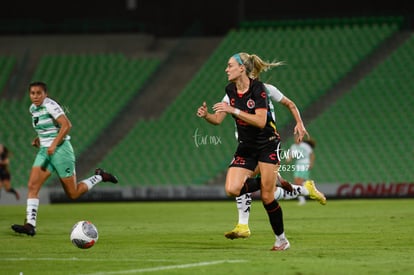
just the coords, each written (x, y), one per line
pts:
(258, 119)
(214, 119)
(299, 130)
(65, 126)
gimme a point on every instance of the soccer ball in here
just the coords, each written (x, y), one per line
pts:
(84, 234)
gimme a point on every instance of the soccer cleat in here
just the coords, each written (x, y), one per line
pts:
(106, 176)
(281, 245)
(27, 229)
(315, 193)
(240, 231)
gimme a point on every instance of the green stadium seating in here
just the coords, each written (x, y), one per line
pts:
(164, 152)
(366, 137)
(7, 64)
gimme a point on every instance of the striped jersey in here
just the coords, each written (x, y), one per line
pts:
(301, 152)
(44, 121)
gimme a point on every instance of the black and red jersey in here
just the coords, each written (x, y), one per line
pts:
(255, 98)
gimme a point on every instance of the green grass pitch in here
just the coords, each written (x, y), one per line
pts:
(342, 237)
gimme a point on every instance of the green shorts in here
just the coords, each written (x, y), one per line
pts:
(62, 161)
(302, 174)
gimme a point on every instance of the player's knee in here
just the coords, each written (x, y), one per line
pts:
(232, 192)
(33, 186)
(267, 197)
(72, 195)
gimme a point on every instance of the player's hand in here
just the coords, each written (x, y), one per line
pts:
(222, 107)
(51, 150)
(36, 142)
(300, 132)
(202, 111)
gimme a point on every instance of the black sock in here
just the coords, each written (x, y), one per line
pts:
(274, 211)
(251, 185)
(12, 190)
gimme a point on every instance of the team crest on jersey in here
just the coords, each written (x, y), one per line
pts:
(250, 104)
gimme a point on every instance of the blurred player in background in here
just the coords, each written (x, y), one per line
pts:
(5, 176)
(55, 154)
(302, 154)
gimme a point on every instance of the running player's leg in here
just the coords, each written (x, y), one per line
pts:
(243, 203)
(307, 190)
(38, 176)
(64, 163)
(271, 205)
(241, 230)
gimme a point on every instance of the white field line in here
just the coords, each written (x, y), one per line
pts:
(73, 259)
(152, 269)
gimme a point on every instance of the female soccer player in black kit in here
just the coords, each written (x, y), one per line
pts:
(5, 176)
(258, 140)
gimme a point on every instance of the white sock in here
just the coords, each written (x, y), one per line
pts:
(281, 237)
(301, 189)
(298, 191)
(244, 203)
(280, 193)
(92, 181)
(31, 211)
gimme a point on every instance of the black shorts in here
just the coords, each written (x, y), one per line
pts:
(4, 174)
(247, 156)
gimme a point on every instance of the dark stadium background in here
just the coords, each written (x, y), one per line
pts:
(176, 18)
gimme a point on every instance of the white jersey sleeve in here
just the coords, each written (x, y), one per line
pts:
(53, 108)
(273, 92)
(226, 99)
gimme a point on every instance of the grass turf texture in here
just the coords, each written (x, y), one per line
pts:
(343, 237)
